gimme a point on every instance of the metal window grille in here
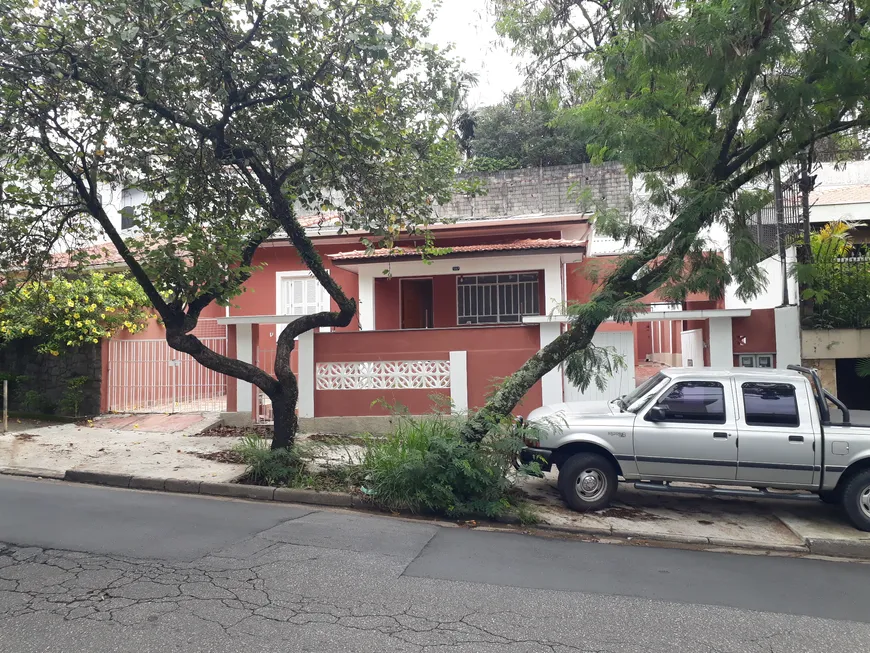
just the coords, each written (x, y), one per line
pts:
(497, 298)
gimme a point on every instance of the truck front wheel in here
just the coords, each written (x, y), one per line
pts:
(587, 481)
(856, 500)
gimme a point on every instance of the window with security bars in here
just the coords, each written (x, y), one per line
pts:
(497, 298)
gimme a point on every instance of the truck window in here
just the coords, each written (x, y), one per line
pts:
(770, 404)
(695, 401)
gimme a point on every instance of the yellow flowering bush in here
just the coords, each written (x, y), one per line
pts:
(53, 310)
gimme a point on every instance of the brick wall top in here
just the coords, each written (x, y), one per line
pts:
(540, 191)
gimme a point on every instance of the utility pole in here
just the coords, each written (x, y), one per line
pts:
(779, 210)
(806, 185)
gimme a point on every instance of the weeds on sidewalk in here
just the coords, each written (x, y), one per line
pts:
(426, 466)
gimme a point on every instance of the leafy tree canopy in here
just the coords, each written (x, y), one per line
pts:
(703, 99)
(522, 132)
(231, 117)
(64, 312)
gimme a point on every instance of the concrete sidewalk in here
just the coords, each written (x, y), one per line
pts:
(158, 446)
(762, 524)
(118, 450)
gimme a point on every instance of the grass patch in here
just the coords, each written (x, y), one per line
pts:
(278, 468)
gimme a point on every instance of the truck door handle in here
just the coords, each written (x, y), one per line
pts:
(795, 438)
(720, 434)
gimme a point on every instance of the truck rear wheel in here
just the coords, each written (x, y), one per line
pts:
(856, 500)
(587, 481)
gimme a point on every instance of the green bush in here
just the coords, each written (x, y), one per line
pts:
(35, 402)
(425, 465)
(74, 395)
(281, 467)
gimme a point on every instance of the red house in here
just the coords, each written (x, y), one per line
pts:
(452, 326)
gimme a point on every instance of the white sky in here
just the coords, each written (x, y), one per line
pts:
(469, 26)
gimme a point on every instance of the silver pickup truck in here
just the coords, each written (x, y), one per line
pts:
(764, 430)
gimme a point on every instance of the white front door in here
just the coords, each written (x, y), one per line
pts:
(693, 348)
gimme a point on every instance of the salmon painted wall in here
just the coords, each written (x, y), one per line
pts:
(260, 291)
(755, 334)
(493, 353)
(580, 287)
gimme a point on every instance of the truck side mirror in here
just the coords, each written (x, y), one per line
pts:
(656, 414)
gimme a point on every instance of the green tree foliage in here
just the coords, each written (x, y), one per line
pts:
(523, 132)
(230, 117)
(64, 312)
(701, 100)
(836, 285)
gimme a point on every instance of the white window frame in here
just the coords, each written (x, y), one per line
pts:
(538, 282)
(323, 302)
(128, 201)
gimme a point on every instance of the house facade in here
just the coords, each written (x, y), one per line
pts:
(444, 331)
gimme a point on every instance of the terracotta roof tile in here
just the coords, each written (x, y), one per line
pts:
(844, 195)
(517, 245)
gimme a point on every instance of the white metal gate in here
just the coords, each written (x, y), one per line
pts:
(622, 382)
(148, 376)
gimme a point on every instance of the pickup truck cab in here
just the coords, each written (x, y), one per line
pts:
(763, 429)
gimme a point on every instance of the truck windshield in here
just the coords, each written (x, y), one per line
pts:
(625, 401)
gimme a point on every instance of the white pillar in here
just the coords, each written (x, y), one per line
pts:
(245, 353)
(721, 342)
(306, 376)
(551, 384)
(366, 299)
(459, 381)
(788, 336)
(553, 292)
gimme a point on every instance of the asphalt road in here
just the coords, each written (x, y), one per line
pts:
(95, 570)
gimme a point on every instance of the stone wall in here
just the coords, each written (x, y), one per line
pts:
(48, 376)
(551, 190)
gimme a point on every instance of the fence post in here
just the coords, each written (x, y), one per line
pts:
(5, 405)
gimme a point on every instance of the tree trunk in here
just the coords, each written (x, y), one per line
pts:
(515, 387)
(286, 422)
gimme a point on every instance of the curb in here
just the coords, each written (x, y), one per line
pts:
(838, 548)
(207, 488)
(33, 472)
(814, 546)
(695, 540)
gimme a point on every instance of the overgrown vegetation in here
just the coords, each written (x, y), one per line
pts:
(426, 466)
(836, 284)
(279, 467)
(522, 131)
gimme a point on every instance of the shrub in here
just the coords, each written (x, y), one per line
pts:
(280, 467)
(426, 465)
(72, 398)
(35, 402)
